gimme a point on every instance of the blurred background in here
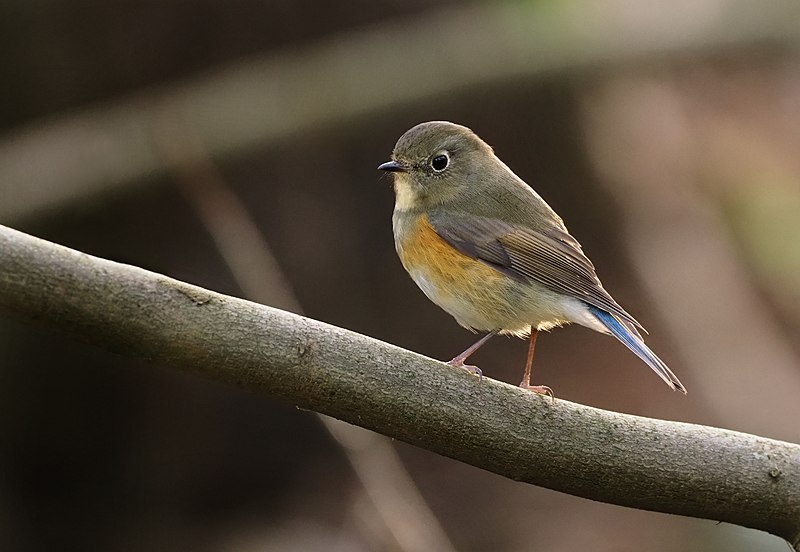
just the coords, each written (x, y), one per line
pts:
(233, 145)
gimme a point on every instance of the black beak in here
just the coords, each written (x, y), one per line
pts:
(392, 166)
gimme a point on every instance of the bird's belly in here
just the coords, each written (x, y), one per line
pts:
(475, 294)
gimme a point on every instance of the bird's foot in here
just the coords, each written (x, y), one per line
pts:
(539, 389)
(474, 370)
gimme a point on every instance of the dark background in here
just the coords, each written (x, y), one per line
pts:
(678, 174)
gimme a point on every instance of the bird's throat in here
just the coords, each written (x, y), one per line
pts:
(406, 192)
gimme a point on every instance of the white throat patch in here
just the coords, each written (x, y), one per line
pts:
(405, 195)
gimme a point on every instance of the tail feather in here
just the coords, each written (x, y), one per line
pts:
(633, 341)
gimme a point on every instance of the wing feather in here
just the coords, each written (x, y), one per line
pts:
(553, 258)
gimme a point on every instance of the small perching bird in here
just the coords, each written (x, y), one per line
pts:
(486, 248)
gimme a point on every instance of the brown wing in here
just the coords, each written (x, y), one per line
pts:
(552, 258)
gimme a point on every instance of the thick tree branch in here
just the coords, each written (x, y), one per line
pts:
(638, 462)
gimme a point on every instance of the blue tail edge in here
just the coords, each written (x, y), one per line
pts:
(633, 341)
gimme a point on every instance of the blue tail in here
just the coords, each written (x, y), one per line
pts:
(633, 341)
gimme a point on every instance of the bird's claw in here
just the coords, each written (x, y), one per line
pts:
(539, 389)
(474, 370)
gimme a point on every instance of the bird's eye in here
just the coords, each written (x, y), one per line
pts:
(439, 163)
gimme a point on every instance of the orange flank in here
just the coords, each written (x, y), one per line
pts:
(451, 274)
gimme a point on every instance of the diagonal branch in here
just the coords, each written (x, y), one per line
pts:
(622, 459)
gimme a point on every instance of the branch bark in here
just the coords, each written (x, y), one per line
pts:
(642, 463)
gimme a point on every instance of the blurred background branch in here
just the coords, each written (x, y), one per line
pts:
(282, 96)
(644, 463)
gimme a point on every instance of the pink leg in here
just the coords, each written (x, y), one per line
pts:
(526, 376)
(459, 360)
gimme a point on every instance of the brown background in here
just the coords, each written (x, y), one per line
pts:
(679, 176)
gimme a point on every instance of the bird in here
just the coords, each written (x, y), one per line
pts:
(484, 246)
